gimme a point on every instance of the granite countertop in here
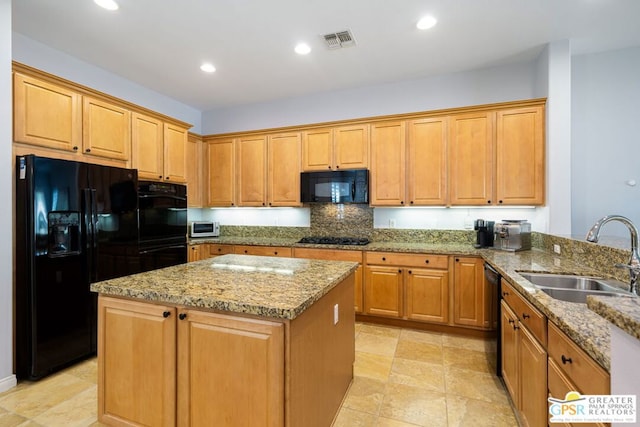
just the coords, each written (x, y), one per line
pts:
(586, 324)
(624, 313)
(264, 286)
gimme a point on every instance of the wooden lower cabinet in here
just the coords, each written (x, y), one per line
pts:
(383, 291)
(427, 295)
(263, 250)
(215, 249)
(338, 255)
(195, 252)
(472, 300)
(533, 380)
(230, 370)
(161, 365)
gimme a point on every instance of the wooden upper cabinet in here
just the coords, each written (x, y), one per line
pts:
(351, 147)
(147, 143)
(470, 157)
(283, 177)
(175, 153)
(106, 129)
(520, 156)
(251, 161)
(427, 161)
(388, 152)
(317, 149)
(194, 171)
(45, 114)
(220, 173)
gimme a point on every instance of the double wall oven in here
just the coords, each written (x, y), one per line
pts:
(162, 224)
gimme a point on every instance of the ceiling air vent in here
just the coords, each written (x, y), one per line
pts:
(339, 39)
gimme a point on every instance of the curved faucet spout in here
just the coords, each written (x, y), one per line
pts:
(634, 261)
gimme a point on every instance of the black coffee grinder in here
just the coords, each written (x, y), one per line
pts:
(484, 233)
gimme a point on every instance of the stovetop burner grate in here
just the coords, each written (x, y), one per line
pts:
(335, 240)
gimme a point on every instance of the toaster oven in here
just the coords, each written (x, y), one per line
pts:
(204, 229)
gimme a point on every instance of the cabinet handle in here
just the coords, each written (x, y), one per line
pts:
(399, 271)
(182, 316)
(75, 148)
(88, 150)
(338, 167)
(166, 314)
(511, 321)
(426, 261)
(489, 201)
(499, 201)
(167, 178)
(269, 203)
(402, 202)
(275, 253)
(411, 202)
(262, 203)
(457, 259)
(515, 327)
(410, 272)
(505, 293)
(219, 249)
(384, 259)
(231, 204)
(329, 167)
(246, 251)
(566, 360)
(525, 316)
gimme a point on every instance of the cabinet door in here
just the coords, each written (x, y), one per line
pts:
(195, 252)
(284, 170)
(146, 142)
(137, 347)
(317, 150)
(520, 156)
(533, 380)
(175, 153)
(251, 159)
(388, 153)
(106, 129)
(509, 338)
(230, 371)
(471, 159)
(427, 161)
(263, 250)
(194, 171)
(351, 147)
(383, 291)
(471, 304)
(427, 295)
(46, 115)
(220, 170)
(217, 250)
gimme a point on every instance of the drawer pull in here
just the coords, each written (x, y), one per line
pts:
(275, 253)
(566, 360)
(410, 272)
(525, 316)
(384, 259)
(182, 316)
(166, 314)
(511, 321)
(505, 293)
(426, 261)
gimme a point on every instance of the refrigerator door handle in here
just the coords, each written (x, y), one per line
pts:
(90, 224)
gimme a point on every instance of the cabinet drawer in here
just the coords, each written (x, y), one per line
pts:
(263, 250)
(408, 260)
(578, 366)
(528, 315)
(215, 250)
(328, 254)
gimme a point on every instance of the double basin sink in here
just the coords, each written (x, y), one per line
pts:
(575, 288)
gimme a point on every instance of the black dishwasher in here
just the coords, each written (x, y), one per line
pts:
(493, 277)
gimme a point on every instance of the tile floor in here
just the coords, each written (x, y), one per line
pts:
(403, 378)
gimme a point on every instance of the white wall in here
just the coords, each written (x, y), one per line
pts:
(7, 379)
(605, 139)
(507, 83)
(40, 56)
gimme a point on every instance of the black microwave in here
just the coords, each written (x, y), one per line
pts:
(346, 186)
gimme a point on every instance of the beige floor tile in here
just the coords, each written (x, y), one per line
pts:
(385, 331)
(87, 370)
(414, 405)
(469, 359)
(45, 394)
(470, 343)
(365, 395)
(376, 344)
(77, 412)
(351, 418)
(424, 375)
(463, 412)
(9, 419)
(374, 366)
(475, 385)
(421, 336)
(387, 422)
(420, 351)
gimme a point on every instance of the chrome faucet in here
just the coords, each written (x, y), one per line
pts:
(634, 261)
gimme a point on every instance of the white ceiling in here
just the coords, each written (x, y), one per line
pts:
(160, 44)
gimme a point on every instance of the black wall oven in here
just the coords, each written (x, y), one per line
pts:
(162, 224)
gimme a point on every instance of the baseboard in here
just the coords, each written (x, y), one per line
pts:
(8, 383)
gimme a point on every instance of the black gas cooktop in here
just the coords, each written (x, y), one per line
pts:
(335, 240)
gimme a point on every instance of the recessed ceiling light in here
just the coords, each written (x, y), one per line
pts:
(426, 22)
(302, 49)
(208, 67)
(107, 4)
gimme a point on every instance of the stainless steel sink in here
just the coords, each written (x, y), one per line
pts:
(574, 288)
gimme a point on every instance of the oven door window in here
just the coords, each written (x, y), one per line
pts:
(162, 217)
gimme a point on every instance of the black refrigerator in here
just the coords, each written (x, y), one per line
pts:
(76, 223)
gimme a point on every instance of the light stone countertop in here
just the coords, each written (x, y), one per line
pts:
(265, 286)
(588, 328)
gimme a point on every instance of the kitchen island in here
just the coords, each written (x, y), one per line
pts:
(234, 340)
